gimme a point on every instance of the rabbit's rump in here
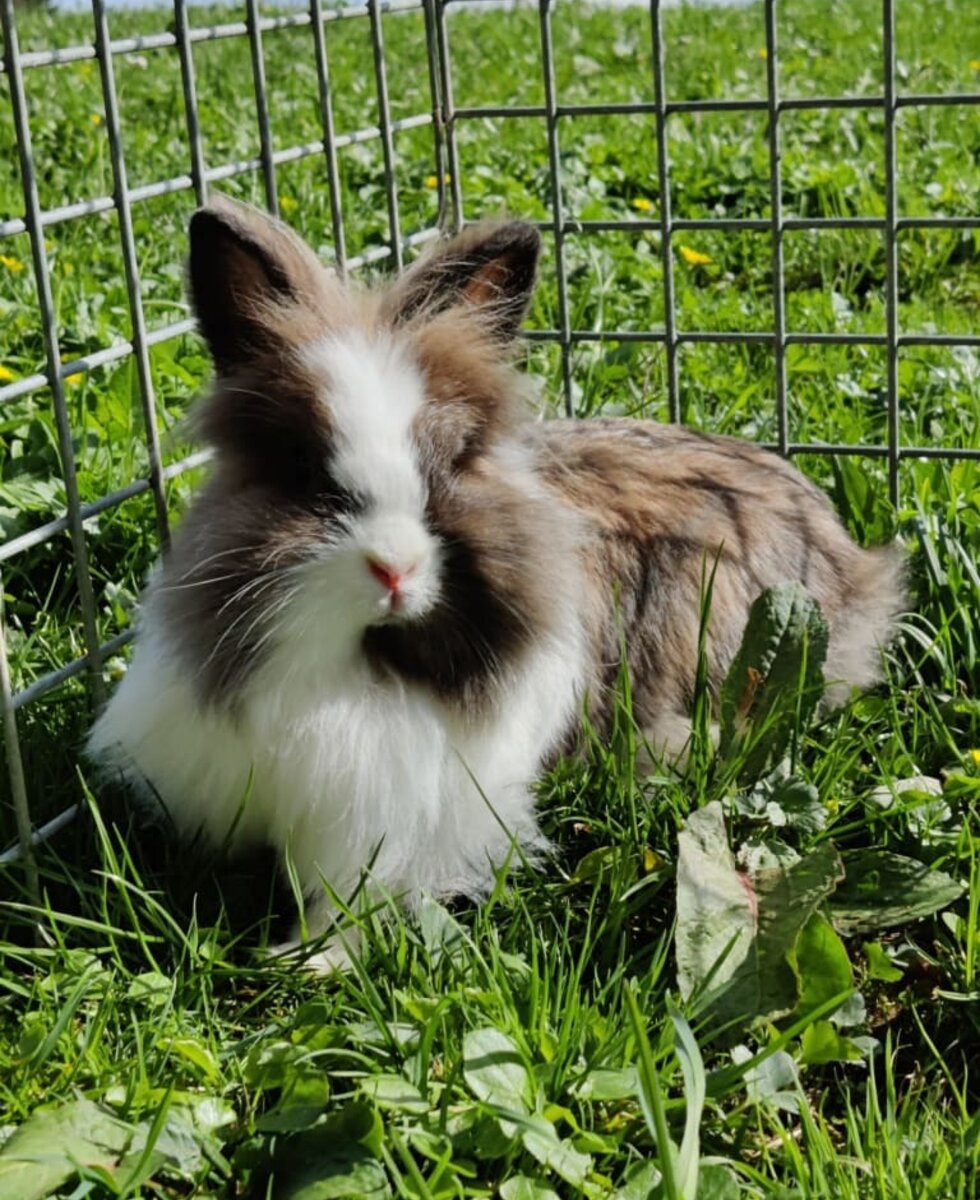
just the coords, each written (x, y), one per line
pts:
(664, 509)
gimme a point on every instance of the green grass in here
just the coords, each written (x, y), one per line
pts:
(136, 987)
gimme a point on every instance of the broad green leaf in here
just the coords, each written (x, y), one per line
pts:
(328, 1175)
(493, 1138)
(776, 678)
(823, 1043)
(194, 1051)
(786, 896)
(304, 1098)
(175, 1144)
(270, 1064)
(494, 1071)
(151, 988)
(915, 788)
(882, 889)
(47, 1150)
(821, 964)
(206, 1113)
(53, 1144)
(393, 1091)
(540, 1139)
(718, 1182)
(420, 1008)
(601, 861)
(879, 964)
(367, 1033)
(640, 1183)
(313, 1026)
(853, 1011)
(773, 1081)
(442, 934)
(735, 931)
(797, 804)
(607, 1083)
(337, 1158)
(715, 902)
(357, 1121)
(345, 1173)
(520, 1187)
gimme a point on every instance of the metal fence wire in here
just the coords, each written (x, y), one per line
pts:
(184, 38)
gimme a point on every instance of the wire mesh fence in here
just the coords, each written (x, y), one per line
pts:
(183, 37)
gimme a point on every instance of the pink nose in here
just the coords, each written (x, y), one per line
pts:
(387, 575)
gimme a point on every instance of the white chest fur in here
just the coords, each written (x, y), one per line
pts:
(339, 772)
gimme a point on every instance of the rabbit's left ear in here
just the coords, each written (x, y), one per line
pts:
(243, 268)
(490, 266)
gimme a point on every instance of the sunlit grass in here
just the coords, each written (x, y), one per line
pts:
(137, 986)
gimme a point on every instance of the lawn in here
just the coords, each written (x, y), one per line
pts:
(559, 1039)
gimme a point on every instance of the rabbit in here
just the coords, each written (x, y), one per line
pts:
(388, 609)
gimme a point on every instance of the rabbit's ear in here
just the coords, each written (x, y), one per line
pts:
(490, 267)
(244, 267)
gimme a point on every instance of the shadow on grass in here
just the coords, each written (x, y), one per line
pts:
(246, 895)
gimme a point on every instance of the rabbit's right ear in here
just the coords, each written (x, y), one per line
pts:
(489, 268)
(244, 268)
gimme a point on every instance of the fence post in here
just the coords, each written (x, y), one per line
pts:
(776, 218)
(329, 142)
(449, 116)
(666, 229)
(15, 766)
(557, 213)
(49, 326)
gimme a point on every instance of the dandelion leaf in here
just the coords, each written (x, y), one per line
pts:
(736, 930)
(51, 1146)
(882, 889)
(776, 679)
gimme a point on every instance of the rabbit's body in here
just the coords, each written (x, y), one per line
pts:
(387, 610)
(662, 509)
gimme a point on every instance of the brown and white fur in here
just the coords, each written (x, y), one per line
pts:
(390, 605)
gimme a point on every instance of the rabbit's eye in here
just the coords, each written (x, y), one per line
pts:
(336, 501)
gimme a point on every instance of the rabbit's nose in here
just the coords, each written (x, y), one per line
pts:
(388, 575)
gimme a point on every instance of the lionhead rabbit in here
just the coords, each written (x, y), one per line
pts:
(393, 600)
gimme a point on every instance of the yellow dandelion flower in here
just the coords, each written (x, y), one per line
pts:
(85, 69)
(651, 860)
(74, 380)
(694, 258)
(642, 204)
(69, 268)
(12, 264)
(288, 204)
(975, 757)
(95, 118)
(432, 181)
(763, 52)
(6, 375)
(975, 64)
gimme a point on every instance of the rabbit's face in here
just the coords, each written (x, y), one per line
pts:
(360, 501)
(377, 551)
(316, 523)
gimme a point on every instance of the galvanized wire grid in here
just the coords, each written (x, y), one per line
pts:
(444, 118)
